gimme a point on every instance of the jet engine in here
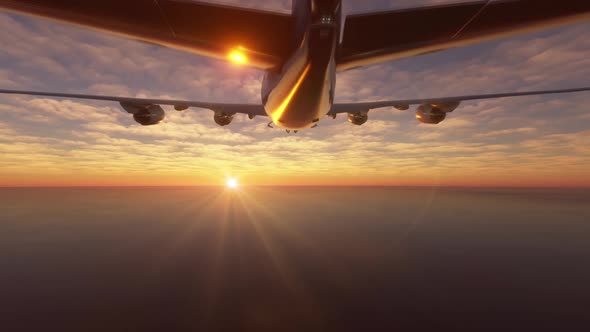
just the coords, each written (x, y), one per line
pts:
(358, 118)
(435, 113)
(433, 116)
(145, 114)
(223, 118)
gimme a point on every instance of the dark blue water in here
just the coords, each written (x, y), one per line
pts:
(294, 259)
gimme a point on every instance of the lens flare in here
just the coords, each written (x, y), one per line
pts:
(237, 56)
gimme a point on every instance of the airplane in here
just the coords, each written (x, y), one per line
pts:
(300, 53)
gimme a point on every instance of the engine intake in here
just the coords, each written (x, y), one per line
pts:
(358, 118)
(223, 118)
(435, 113)
(145, 114)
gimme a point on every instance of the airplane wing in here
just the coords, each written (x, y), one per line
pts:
(132, 105)
(265, 38)
(383, 36)
(403, 104)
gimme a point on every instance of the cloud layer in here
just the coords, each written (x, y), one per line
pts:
(514, 141)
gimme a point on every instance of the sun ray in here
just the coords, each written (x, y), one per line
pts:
(195, 212)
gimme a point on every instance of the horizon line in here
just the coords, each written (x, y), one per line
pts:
(301, 186)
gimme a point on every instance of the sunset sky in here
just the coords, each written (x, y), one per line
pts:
(526, 141)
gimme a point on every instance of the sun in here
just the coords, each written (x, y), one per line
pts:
(231, 183)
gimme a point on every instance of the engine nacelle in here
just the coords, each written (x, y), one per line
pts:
(435, 113)
(150, 116)
(145, 114)
(358, 118)
(446, 107)
(223, 118)
(430, 116)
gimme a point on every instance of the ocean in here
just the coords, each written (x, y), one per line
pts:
(294, 259)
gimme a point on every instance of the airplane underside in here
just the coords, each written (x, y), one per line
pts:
(307, 94)
(302, 51)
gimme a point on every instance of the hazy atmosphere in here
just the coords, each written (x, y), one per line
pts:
(528, 141)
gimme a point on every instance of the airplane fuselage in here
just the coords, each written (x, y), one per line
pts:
(299, 93)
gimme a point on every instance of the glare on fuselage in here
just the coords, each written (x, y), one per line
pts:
(276, 115)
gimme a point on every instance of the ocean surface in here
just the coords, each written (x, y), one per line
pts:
(294, 259)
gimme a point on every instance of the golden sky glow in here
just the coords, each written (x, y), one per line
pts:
(529, 141)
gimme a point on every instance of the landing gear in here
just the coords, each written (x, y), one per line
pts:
(270, 125)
